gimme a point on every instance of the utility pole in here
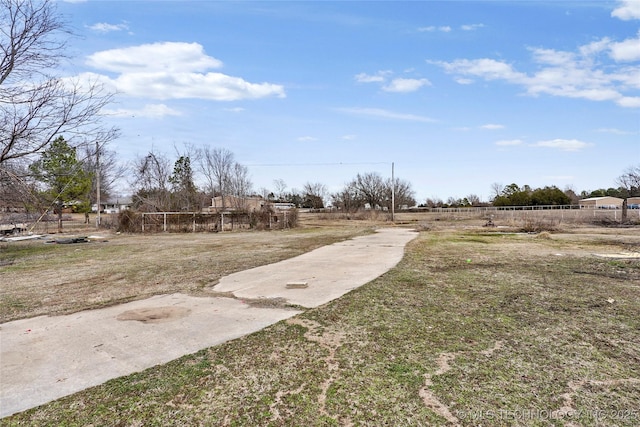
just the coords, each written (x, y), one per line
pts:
(98, 183)
(393, 193)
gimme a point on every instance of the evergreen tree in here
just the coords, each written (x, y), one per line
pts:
(184, 189)
(66, 182)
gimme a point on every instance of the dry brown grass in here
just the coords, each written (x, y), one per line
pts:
(40, 278)
(473, 327)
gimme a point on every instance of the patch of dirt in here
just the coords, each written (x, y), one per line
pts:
(331, 340)
(567, 409)
(429, 398)
(154, 314)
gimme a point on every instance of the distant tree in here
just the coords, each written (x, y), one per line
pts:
(549, 196)
(66, 182)
(151, 183)
(473, 200)
(371, 188)
(496, 190)
(513, 195)
(601, 192)
(106, 163)
(217, 165)
(452, 202)
(434, 202)
(280, 189)
(296, 198)
(240, 185)
(314, 195)
(403, 193)
(571, 194)
(629, 183)
(184, 191)
(348, 199)
(608, 192)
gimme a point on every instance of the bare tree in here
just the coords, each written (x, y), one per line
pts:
(403, 193)
(371, 188)
(36, 107)
(105, 167)
(17, 190)
(434, 202)
(151, 181)
(216, 164)
(496, 190)
(27, 38)
(315, 192)
(570, 192)
(348, 199)
(474, 200)
(280, 188)
(240, 185)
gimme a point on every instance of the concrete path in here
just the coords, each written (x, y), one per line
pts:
(328, 272)
(45, 358)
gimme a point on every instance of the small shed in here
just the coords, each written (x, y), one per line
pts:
(606, 202)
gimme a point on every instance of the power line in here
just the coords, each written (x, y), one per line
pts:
(317, 164)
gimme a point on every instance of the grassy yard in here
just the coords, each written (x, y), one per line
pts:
(473, 327)
(41, 278)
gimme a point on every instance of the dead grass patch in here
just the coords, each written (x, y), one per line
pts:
(512, 338)
(57, 279)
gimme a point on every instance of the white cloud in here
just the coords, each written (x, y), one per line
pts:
(153, 111)
(103, 27)
(627, 10)
(405, 85)
(491, 126)
(432, 28)
(348, 137)
(386, 114)
(379, 77)
(174, 71)
(585, 73)
(489, 69)
(563, 144)
(155, 57)
(398, 85)
(307, 139)
(234, 110)
(471, 27)
(464, 81)
(627, 50)
(629, 101)
(509, 143)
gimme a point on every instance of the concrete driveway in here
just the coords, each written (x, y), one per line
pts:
(48, 357)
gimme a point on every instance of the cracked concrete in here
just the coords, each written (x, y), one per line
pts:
(48, 357)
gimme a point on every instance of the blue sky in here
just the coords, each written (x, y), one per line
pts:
(457, 95)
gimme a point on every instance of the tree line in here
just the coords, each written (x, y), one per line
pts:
(157, 184)
(515, 195)
(54, 146)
